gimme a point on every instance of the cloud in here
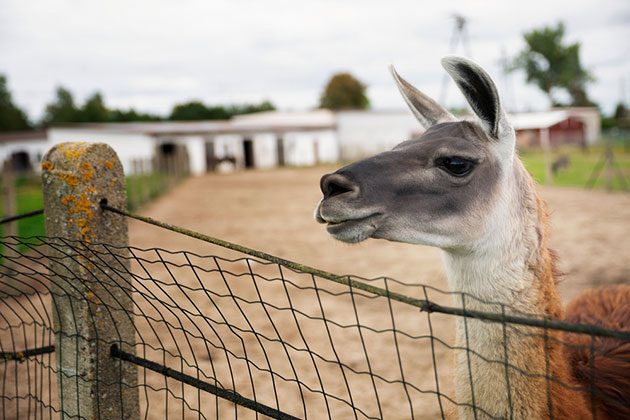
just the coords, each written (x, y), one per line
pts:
(150, 54)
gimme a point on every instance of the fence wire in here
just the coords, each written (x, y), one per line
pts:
(242, 337)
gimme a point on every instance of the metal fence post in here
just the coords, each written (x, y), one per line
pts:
(92, 302)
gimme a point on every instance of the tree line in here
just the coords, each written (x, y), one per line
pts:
(64, 109)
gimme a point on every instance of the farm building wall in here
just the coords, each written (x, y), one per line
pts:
(226, 147)
(129, 146)
(311, 147)
(568, 131)
(195, 150)
(33, 148)
(591, 119)
(264, 149)
(364, 133)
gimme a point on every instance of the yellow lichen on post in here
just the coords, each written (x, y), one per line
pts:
(82, 178)
(47, 165)
(87, 172)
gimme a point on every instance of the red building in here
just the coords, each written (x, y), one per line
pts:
(579, 126)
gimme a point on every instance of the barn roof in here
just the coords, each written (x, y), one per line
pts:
(22, 136)
(534, 120)
(160, 127)
(262, 121)
(320, 118)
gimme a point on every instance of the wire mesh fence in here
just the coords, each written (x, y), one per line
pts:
(257, 335)
(91, 327)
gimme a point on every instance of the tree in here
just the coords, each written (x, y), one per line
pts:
(197, 110)
(553, 66)
(62, 110)
(94, 110)
(344, 91)
(250, 108)
(12, 118)
(129, 115)
(622, 116)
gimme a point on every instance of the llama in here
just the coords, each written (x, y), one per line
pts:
(461, 187)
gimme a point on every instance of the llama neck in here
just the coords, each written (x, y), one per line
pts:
(512, 265)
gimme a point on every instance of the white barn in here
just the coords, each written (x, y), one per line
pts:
(365, 133)
(24, 150)
(269, 139)
(262, 140)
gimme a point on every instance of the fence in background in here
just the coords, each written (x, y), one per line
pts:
(91, 327)
(152, 178)
(20, 191)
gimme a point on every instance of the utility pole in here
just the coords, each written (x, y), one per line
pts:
(508, 88)
(459, 36)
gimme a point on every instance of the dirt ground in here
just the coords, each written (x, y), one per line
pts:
(272, 211)
(203, 315)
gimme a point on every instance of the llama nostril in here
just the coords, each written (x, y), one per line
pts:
(336, 184)
(334, 189)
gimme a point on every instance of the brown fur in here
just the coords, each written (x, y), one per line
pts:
(607, 307)
(570, 364)
(565, 403)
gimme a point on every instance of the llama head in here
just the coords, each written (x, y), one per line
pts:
(437, 189)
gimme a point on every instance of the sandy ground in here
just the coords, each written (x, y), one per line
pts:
(205, 309)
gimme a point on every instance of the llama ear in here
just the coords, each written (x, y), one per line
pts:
(480, 92)
(425, 109)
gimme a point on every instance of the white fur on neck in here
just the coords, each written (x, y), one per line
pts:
(497, 268)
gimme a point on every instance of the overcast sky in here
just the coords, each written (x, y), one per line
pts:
(150, 54)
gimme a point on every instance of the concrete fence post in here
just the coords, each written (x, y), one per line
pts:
(91, 287)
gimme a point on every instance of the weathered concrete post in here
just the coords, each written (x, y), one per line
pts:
(92, 304)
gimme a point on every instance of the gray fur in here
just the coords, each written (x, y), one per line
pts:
(404, 190)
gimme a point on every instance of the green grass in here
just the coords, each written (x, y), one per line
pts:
(140, 189)
(28, 198)
(144, 188)
(580, 168)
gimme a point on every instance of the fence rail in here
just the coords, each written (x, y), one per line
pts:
(259, 333)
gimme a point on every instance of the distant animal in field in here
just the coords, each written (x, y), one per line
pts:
(561, 162)
(461, 187)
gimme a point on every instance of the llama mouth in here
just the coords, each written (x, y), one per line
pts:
(353, 230)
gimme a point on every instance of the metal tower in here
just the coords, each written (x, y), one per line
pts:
(459, 36)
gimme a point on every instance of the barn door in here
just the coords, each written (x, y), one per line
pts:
(248, 153)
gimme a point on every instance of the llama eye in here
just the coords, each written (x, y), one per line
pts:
(454, 165)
